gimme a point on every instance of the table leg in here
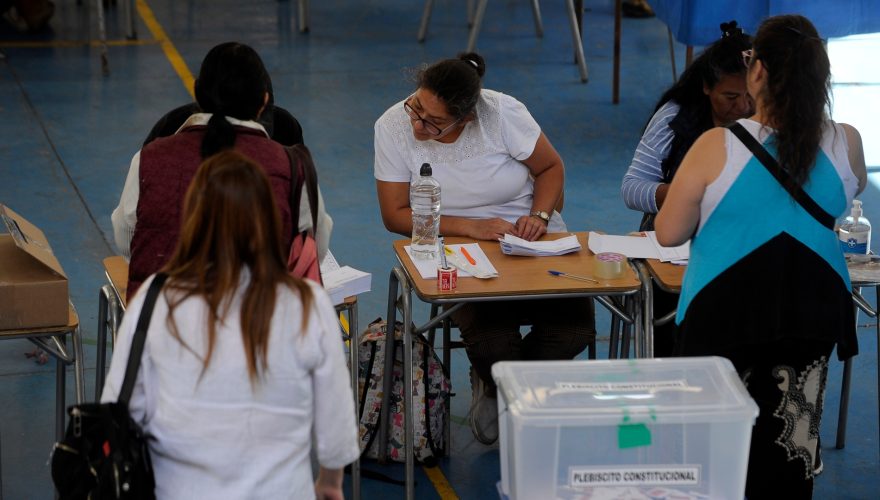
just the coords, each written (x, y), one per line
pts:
(426, 18)
(303, 16)
(576, 40)
(645, 342)
(615, 85)
(843, 410)
(60, 409)
(409, 440)
(101, 349)
(387, 382)
(475, 29)
(102, 37)
(353, 345)
(536, 13)
(78, 370)
(128, 13)
(844, 404)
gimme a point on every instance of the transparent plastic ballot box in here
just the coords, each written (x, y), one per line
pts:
(643, 428)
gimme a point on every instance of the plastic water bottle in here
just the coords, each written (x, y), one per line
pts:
(855, 232)
(424, 200)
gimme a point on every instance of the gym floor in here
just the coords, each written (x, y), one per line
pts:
(70, 131)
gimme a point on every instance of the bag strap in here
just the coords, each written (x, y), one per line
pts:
(782, 176)
(302, 173)
(140, 338)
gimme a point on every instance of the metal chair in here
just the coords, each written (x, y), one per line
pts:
(475, 20)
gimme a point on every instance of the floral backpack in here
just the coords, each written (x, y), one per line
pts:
(430, 394)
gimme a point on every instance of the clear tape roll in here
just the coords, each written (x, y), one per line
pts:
(608, 265)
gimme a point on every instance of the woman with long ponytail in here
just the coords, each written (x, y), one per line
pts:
(767, 285)
(232, 92)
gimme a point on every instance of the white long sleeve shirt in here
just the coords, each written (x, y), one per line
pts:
(213, 435)
(124, 216)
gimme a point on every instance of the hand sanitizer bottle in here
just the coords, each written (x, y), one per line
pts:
(855, 232)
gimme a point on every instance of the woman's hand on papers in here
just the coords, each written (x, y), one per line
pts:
(529, 228)
(490, 229)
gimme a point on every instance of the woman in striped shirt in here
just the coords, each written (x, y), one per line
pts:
(711, 92)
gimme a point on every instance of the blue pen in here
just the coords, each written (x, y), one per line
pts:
(572, 276)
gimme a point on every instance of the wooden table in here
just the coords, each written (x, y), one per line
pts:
(519, 278)
(52, 340)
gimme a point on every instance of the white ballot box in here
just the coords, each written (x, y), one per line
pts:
(644, 428)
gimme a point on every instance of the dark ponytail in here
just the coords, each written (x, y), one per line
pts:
(797, 94)
(219, 135)
(457, 82)
(232, 82)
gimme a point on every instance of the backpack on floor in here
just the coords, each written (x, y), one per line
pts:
(430, 389)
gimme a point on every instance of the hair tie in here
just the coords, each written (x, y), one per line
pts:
(476, 66)
(730, 29)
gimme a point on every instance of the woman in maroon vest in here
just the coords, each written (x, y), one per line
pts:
(231, 91)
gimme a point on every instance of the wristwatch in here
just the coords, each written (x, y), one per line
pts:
(544, 216)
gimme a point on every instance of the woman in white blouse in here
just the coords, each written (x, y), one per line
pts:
(242, 362)
(498, 175)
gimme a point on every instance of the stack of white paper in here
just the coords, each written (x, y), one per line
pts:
(639, 247)
(342, 282)
(511, 245)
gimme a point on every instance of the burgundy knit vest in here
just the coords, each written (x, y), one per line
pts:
(167, 166)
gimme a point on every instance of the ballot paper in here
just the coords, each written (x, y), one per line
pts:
(511, 245)
(639, 247)
(482, 267)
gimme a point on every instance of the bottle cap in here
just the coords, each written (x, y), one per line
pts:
(425, 170)
(856, 210)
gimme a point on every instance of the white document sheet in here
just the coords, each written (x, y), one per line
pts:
(639, 247)
(483, 268)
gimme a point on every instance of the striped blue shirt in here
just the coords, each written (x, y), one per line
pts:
(644, 174)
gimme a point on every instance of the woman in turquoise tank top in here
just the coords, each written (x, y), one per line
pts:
(767, 286)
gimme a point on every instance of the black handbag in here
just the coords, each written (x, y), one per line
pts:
(104, 454)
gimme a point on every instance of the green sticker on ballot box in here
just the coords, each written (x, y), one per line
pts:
(632, 435)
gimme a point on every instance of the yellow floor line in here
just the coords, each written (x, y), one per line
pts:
(441, 484)
(74, 43)
(170, 51)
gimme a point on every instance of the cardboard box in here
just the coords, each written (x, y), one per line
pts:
(635, 429)
(33, 286)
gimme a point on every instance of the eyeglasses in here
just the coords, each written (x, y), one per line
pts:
(747, 57)
(429, 127)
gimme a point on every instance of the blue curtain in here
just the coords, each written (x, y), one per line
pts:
(696, 22)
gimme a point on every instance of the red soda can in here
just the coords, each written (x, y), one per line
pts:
(447, 278)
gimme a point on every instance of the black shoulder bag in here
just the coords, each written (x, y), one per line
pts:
(772, 166)
(104, 454)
